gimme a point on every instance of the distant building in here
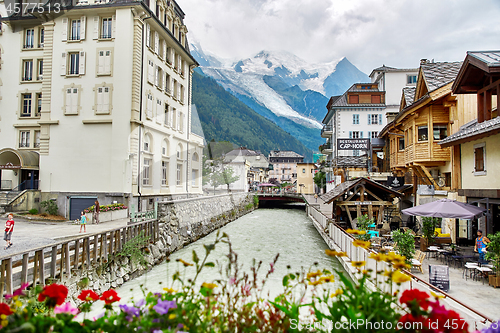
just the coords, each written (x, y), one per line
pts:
(305, 178)
(258, 165)
(284, 165)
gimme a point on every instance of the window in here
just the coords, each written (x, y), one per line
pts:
(149, 106)
(75, 30)
(375, 119)
(303, 170)
(106, 28)
(353, 99)
(373, 135)
(26, 105)
(479, 159)
(102, 100)
(147, 143)
(40, 70)
(159, 78)
(164, 148)
(74, 63)
(354, 135)
(174, 118)
(168, 56)
(148, 34)
(24, 139)
(355, 153)
(146, 171)
(422, 133)
(38, 104)
(164, 173)
(440, 132)
(411, 79)
(355, 119)
(376, 99)
(104, 62)
(179, 174)
(401, 144)
(159, 109)
(41, 37)
(72, 98)
(151, 71)
(180, 121)
(28, 70)
(175, 90)
(181, 94)
(29, 38)
(179, 152)
(195, 157)
(36, 144)
(168, 88)
(166, 117)
(194, 178)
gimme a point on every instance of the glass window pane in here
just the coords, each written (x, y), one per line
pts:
(422, 133)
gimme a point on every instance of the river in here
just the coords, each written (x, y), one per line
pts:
(260, 234)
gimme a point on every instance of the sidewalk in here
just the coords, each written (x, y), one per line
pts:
(32, 234)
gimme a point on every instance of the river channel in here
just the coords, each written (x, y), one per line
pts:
(260, 234)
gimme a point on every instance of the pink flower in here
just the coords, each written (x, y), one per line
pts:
(246, 290)
(231, 281)
(19, 291)
(272, 268)
(66, 308)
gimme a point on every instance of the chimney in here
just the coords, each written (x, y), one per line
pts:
(424, 61)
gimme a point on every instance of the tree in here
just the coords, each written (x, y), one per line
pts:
(320, 180)
(227, 175)
(215, 173)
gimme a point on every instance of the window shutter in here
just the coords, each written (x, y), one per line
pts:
(106, 98)
(156, 75)
(369, 119)
(82, 63)
(64, 29)
(68, 100)
(369, 135)
(107, 61)
(148, 33)
(361, 134)
(113, 26)
(99, 102)
(178, 121)
(157, 42)
(96, 28)
(100, 62)
(350, 134)
(164, 49)
(82, 27)
(170, 117)
(74, 101)
(63, 64)
(380, 119)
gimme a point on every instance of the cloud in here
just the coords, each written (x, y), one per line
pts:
(368, 32)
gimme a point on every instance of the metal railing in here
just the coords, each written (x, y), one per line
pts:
(58, 261)
(327, 128)
(148, 215)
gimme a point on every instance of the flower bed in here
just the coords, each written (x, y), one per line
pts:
(107, 212)
(235, 303)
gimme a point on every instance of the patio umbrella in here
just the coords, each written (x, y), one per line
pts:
(266, 185)
(446, 208)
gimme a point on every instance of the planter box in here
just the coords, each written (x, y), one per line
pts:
(494, 280)
(109, 215)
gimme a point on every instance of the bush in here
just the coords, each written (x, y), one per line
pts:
(106, 208)
(429, 224)
(33, 211)
(405, 243)
(50, 207)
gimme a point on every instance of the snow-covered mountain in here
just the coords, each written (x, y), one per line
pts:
(283, 87)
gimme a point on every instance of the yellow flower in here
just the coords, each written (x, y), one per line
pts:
(393, 257)
(388, 273)
(170, 290)
(365, 272)
(337, 293)
(399, 277)
(208, 285)
(4, 323)
(378, 256)
(360, 243)
(436, 296)
(18, 304)
(358, 264)
(400, 265)
(172, 316)
(3, 316)
(332, 253)
(327, 278)
(313, 274)
(184, 263)
(315, 283)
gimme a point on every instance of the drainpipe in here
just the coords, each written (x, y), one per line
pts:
(188, 129)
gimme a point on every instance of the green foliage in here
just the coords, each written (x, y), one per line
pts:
(405, 243)
(225, 118)
(106, 208)
(256, 201)
(493, 249)
(49, 206)
(33, 211)
(320, 179)
(362, 224)
(428, 226)
(216, 173)
(134, 249)
(83, 283)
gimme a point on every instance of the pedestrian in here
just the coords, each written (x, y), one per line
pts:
(480, 246)
(83, 222)
(97, 209)
(9, 227)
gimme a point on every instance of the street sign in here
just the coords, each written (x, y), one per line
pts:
(439, 276)
(353, 144)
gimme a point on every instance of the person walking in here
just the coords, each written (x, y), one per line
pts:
(9, 227)
(480, 246)
(97, 209)
(83, 222)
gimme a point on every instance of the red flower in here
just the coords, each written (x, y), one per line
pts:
(5, 309)
(110, 296)
(415, 296)
(55, 293)
(88, 295)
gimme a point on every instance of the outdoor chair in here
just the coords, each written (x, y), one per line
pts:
(469, 268)
(417, 263)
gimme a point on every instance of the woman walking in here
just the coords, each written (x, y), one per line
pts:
(97, 209)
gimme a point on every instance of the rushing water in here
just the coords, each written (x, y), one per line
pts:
(260, 235)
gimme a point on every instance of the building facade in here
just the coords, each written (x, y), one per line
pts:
(305, 178)
(99, 96)
(284, 165)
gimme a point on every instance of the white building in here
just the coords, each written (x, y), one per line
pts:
(99, 97)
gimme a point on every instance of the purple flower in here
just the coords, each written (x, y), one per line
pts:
(131, 311)
(494, 328)
(140, 303)
(162, 307)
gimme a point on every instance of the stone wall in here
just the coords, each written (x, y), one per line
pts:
(181, 222)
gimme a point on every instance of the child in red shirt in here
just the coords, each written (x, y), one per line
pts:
(9, 227)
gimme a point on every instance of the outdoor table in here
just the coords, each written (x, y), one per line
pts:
(433, 249)
(482, 271)
(442, 252)
(469, 266)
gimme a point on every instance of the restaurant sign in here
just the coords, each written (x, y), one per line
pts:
(10, 166)
(353, 144)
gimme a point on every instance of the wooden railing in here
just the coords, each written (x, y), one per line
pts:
(58, 261)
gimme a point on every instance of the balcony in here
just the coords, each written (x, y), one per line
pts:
(327, 131)
(326, 148)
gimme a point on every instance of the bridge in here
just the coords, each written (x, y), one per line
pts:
(281, 197)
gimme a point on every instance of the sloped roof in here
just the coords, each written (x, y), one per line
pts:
(243, 152)
(347, 185)
(490, 58)
(409, 94)
(479, 69)
(284, 153)
(342, 100)
(438, 74)
(472, 129)
(386, 69)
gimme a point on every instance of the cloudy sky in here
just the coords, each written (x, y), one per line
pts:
(369, 33)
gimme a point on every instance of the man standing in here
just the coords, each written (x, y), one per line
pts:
(9, 227)
(480, 246)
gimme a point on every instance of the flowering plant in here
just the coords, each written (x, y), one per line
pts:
(106, 208)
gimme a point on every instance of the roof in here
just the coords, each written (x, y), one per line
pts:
(256, 159)
(345, 186)
(472, 129)
(479, 69)
(243, 152)
(342, 100)
(386, 69)
(409, 94)
(491, 58)
(284, 153)
(438, 74)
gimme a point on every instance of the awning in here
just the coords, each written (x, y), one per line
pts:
(19, 159)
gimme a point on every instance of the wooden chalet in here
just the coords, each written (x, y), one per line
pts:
(354, 198)
(428, 114)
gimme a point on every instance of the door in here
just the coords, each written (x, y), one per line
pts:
(29, 180)
(77, 205)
